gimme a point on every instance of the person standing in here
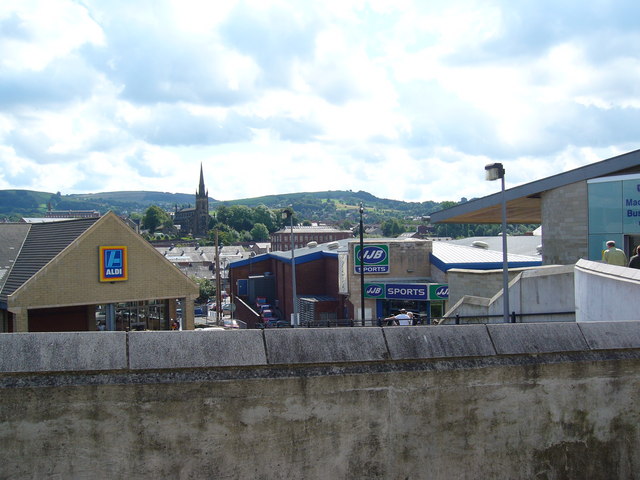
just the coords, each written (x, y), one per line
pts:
(613, 255)
(401, 319)
(634, 262)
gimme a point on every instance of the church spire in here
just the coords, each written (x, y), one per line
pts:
(201, 190)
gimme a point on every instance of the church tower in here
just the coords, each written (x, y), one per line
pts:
(201, 217)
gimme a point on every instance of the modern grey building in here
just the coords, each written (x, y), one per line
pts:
(579, 210)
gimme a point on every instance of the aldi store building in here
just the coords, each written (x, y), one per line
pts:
(87, 274)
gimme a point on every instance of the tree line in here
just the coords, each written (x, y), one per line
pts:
(240, 223)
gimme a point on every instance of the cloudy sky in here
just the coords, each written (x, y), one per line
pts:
(403, 99)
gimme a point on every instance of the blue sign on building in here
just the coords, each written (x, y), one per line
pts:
(407, 291)
(113, 264)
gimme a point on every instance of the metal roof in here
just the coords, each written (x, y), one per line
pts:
(202, 254)
(446, 255)
(517, 244)
(523, 202)
(302, 255)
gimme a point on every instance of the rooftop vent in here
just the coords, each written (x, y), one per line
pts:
(312, 244)
(332, 245)
(479, 244)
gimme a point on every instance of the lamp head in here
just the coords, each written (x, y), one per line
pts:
(493, 171)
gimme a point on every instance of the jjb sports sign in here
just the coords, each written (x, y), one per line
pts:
(375, 258)
(113, 264)
(406, 291)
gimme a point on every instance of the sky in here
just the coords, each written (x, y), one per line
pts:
(406, 100)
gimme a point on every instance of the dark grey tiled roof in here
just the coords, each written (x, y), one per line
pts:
(12, 236)
(43, 242)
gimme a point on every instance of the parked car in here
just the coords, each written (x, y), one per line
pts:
(267, 315)
(230, 323)
(274, 323)
(264, 307)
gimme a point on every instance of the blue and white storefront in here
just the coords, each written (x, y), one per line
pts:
(427, 300)
(614, 213)
(396, 274)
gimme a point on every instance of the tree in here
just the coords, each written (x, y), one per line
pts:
(345, 225)
(265, 216)
(392, 227)
(260, 233)
(223, 214)
(207, 289)
(229, 237)
(155, 217)
(240, 218)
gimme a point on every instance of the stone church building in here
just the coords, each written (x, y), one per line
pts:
(195, 221)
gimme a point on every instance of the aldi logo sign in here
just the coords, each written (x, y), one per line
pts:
(113, 264)
(375, 258)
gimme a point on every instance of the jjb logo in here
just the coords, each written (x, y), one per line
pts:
(442, 292)
(373, 255)
(113, 264)
(374, 258)
(373, 290)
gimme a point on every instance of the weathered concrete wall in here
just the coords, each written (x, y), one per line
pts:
(606, 292)
(534, 291)
(548, 401)
(477, 283)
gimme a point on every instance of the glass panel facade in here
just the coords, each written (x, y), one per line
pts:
(614, 213)
(142, 315)
(605, 207)
(631, 206)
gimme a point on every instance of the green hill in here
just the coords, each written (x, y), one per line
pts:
(326, 205)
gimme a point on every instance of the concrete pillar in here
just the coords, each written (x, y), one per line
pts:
(21, 319)
(188, 321)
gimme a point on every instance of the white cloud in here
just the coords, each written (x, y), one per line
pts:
(403, 99)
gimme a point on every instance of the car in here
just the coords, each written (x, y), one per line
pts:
(229, 323)
(274, 323)
(267, 315)
(263, 307)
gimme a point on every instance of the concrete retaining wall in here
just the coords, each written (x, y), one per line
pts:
(606, 292)
(534, 291)
(554, 400)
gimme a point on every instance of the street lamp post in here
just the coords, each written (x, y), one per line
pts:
(361, 265)
(294, 321)
(494, 171)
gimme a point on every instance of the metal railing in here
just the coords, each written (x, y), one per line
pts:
(426, 320)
